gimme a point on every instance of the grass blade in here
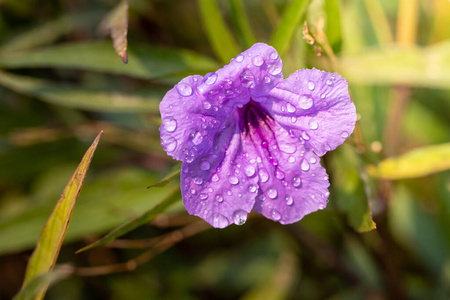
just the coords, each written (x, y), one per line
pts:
(292, 16)
(417, 163)
(241, 19)
(135, 223)
(218, 34)
(47, 249)
(175, 173)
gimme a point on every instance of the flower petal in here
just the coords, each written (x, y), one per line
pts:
(292, 183)
(221, 188)
(314, 106)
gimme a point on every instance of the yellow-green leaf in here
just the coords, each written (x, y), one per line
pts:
(47, 249)
(416, 163)
(116, 23)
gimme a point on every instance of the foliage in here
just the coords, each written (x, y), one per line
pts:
(385, 232)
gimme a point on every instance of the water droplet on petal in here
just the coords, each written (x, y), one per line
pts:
(205, 166)
(193, 192)
(275, 69)
(220, 221)
(272, 193)
(290, 108)
(322, 96)
(327, 147)
(219, 198)
(267, 79)
(257, 61)
(239, 217)
(169, 124)
(215, 178)
(291, 159)
(305, 165)
(311, 85)
(289, 200)
(305, 136)
(263, 175)
(169, 144)
(206, 105)
(275, 215)
(239, 58)
(249, 170)
(325, 177)
(344, 134)
(274, 55)
(313, 160)
(288, 148)
(210, 78)
(203, 196)
(305, 102)
(197, 138)
(279, 174)
(233, 180)
(184, 89)
(329, 82)
(252, 188)
(297, 182)
(314, 125)
(198, 180)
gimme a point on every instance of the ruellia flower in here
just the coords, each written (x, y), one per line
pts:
(249, 139)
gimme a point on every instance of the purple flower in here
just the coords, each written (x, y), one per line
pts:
(249, 139)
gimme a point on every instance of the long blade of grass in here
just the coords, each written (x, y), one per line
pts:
(84, 98)
(148, 62)
(218, 34)
(33, 288)
(417, 163)
(291, 18)
(47, 249)
(175, 173)
(241, 19)
(135, 223)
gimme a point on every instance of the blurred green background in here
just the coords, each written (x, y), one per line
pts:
(61, 82)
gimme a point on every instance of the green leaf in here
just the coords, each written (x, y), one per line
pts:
(108, 200)
(50, 31)
(32, 289)
(145, 62)
(333, 24)
(290, 20)
(241, 19)
(352, 192)
(84, 98)
(135, 223)
(175, 173)
(218, 34)
(47, 249)
(416, 163)
(422, 67)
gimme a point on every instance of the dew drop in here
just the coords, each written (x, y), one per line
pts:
(313, 160)
(233, 180)
(206, 105)
(272, 193)
(325, 177)
(197, 138)
(205, 166)
(198, 180)
(267, 79)
(170, 124)
(239, 58)
(329, 82)
(275, 215)
(252, 188)
(184, 89)
(215, 178)
(193, 192)
(293, 119)
(327, 147)
(274, 55)
(275, 69)
(311, 85)
(314, 125)
(305, 136)
(249, 170)
(290, 108)
(263, 175)
(344, 134)
(220, 221)
(291, 159)
(239, 217)
(289, 200)
(169, 144)
(219, 198)
(322, 96)
(257, 61)
(305, 165)
(210, 78)
(279, 174)
(203, 196)
(305, 102)
(297, 182)
(288, 148)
